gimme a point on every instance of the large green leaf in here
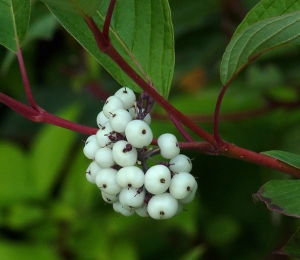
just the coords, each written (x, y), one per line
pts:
(140, 30)
(256, 39)
(14, 20)
(289, 158)
(267, 9)
(282, 196)
(49, 152)
(79, 7)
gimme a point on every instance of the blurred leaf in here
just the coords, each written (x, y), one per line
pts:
(292, 248)
(21, 215)
(42, 28)
(14, 20)
(9, 251)
(188, 16)
(229, 227)
(76, 184)
(50, 151)
(289, 158)
(282, 196)
(195, 254)
(79, 7)
(124, 250)
(267, 9)
(257, 39)
(145, 40)
(15, 182)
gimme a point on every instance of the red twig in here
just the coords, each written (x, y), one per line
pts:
(108, 19)
(216, 116)
(183, 132)
(25, 79)
(41, 115)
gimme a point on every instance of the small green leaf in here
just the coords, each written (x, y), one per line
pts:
(50, 150)
(141, 31)
(14, 20)
(256, 39)
(292, 248)
(289, 158)
(267, 9)
(282, 196)
(79, 7)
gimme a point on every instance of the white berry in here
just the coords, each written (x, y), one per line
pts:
(131, 198)
(157, 179)
(182, 184)
(119, 120)
(127, 96)
(92, 171)
(168, 145)
(162, 206)
(101, 119)
(106, 181)
(190, 197)
(91, 147)
(111, 104)
(104, 157)
(124, 153)
(130, 177)
(117, 206)
(109, 198)
(180, 163)
(138, 133)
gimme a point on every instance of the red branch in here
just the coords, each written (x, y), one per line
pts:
(40, 115)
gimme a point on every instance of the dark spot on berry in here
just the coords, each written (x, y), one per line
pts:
(188, 188)
(104, 186)
(176, 144)
(161, 213)
(144, 132)
(162, 180)
(129, 186)
(88, 172)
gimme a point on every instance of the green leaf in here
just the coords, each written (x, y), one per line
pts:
(292, 248)
(267, 9)
(50, 150)
(27, 251)
(14, 20)
(76, 181)
(145, 40)
(289, 158)
(256, 39)
(282, 196)
(79, 7)
(15, 181)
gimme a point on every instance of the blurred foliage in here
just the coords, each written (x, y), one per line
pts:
(49, 211)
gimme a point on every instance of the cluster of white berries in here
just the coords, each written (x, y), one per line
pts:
(120, 150)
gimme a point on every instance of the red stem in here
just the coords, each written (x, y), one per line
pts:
(216, 116)
(183, 132)
(25, 79)
(108, 19)
(40, 115)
